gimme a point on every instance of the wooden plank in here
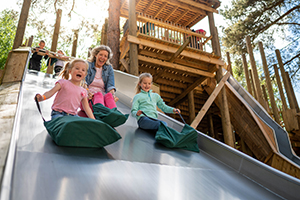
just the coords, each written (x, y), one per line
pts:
(209, 101)
(125, 64)
(170, 26)
(199, 5)
(15, 66)
(176, 54)
(175, 66)
(171, 49)
(161, 8)
(187, 90)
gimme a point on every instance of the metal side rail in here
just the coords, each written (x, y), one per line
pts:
(135, 167)
(281, 136)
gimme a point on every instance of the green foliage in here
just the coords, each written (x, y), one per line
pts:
(8, 27)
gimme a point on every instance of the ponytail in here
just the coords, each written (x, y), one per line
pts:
(65, 72)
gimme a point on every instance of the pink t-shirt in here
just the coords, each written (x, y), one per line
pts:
(97, 85)
(68, 98)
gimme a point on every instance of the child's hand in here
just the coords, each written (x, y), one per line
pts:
(139, 112)
(176, 110)
(90, 95)
(116, 99)
(40, 97)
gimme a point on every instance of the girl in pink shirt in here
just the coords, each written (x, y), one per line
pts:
(69, 91)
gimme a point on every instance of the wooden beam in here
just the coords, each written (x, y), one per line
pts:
(209, 101)
(186, 91)
(180, 50)
(191, 20)
(125, 64)
(167, 17)
(177, 60)
(175, 66)
(171, 49)
(161, 8)
(181, 16)
(199, 5)
(170, 26)
(148, 6)
(186, 6)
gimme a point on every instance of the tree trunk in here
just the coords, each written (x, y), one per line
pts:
(113, 30)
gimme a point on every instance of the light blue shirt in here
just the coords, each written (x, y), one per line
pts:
(147, 102)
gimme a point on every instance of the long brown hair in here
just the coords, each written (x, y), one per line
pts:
(141, 77)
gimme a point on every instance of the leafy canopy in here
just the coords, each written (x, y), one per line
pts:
(8, 27)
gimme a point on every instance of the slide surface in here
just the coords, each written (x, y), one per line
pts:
(135, 167)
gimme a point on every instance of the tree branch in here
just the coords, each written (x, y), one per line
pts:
(281, 17)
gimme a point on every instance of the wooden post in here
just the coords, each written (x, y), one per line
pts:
(266, 105)
(55, 38)
(285, 80)
(254, 71)
(225, 116)
(22, 24)
(75, 40)
(104, 32)
(210, 100)
(292, 90)
(245, 64)
(252, 84)
(191, 105)
(229, 63)
(279, 85)
(113, 30)
(211, 125)
(133, 53)
(56, 30)
(269, 84)
(30, 41)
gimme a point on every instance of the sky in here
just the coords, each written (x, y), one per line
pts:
(90, 11)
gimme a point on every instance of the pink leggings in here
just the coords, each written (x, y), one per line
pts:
(107, 100)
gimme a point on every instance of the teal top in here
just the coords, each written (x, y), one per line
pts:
(147, 102)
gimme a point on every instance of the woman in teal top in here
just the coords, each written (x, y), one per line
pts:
(145, 101)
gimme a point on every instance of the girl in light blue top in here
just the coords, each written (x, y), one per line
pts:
(145, 101)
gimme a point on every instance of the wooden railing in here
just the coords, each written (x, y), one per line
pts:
(170, 32)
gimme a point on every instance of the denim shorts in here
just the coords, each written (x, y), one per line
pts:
(55, 114)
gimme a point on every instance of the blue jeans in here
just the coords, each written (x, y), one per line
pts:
(149, 123)
(55, 114)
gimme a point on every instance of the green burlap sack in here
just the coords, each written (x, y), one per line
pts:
(186, 139)
(81, 132)
(113, 117)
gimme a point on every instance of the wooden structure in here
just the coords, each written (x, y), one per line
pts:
(178, 58)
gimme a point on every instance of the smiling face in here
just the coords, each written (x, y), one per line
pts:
(101, 58)
(146, 84)
(78, 72)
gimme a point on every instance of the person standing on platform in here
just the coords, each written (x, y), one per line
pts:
(35, 60)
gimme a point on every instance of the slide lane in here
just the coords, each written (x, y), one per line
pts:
(135, 167)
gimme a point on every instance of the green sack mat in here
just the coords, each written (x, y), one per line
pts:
(113, 117)
(74, 131)
(186, 139)
(80, 132)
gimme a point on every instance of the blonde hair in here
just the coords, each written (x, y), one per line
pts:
(141, 77)
(96, 50)
(65, 73)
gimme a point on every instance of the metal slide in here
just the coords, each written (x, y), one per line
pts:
(135, 167)
(281, 136)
